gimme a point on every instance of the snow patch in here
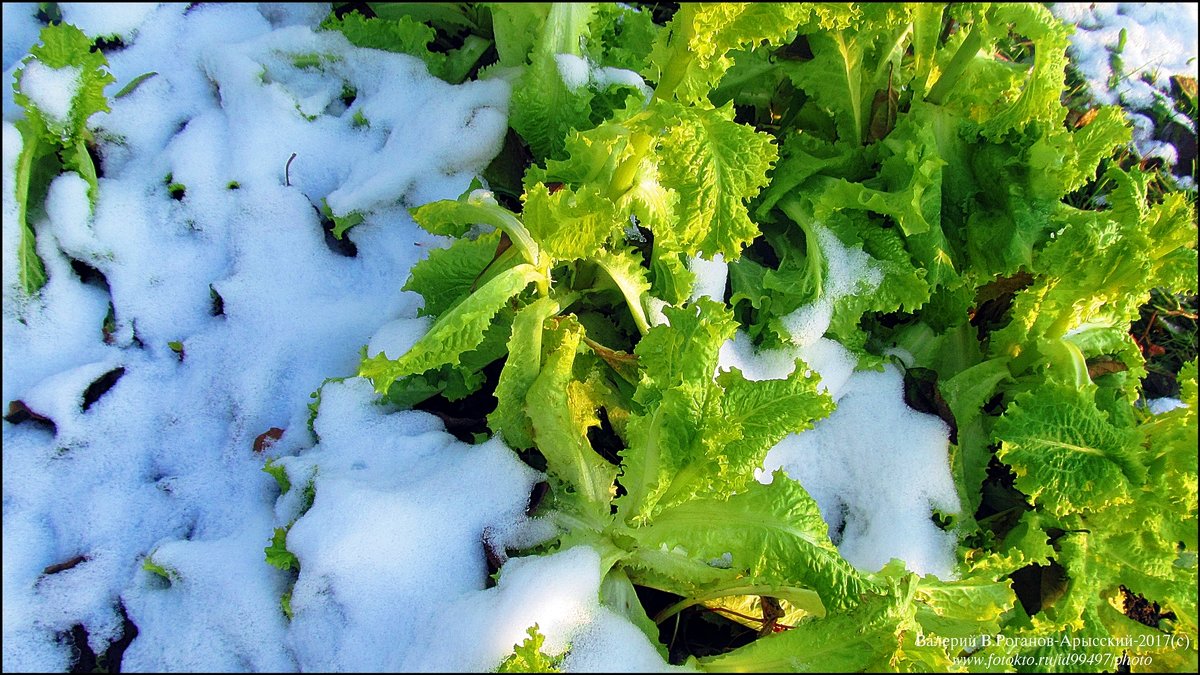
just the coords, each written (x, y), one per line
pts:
(51, 90)
(574, 70)
(107, 20)
(876, 489)
(877, 469)
(711, 276)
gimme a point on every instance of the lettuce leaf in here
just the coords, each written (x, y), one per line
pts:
(528, 656)
(903, 624)
(774, 533)
(1067, 455)
(521, 369)
(561, 414)
(50, 142)
(691, 55)
(715, 166)
(454, 333)
(403, 35)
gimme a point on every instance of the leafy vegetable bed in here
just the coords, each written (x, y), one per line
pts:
(733, 337)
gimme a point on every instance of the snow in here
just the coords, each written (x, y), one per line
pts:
(162, 463)
(397, 337)
(558, 593)
(711, 276)
(848, 271)
(380, 482)
(1158, 406)
(1160, 41)
(21, 30)
(51, 90)
(577, 72)
(876, 491)
(608, 76)
(574, 70)
(108, 20)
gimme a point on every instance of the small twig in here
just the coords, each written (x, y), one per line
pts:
(1149, 325)
(287, 178)
(747, 617)
(674, 633)
(725, 610)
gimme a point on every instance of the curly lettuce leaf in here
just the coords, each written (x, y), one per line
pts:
(447, 275)
(1146, 547)
(454, 217)
(1067, 455)
(561, 413)
(900, 625)
(64, 46)
(1099, 269)
(691, 55)
(850, 66)
(694, 435)
(715, 165)
(1039, 100)
(546, 51)
(521, 369)
(625, 270)
(544, 109)
(685, 173)
(528, 656)
(402, 35)
(685, 350)
(767, 411)
(278, 554)
(622, 36)
(774, 533)
(679, 405)
(51, 142)
(570, 224)
(454, 333)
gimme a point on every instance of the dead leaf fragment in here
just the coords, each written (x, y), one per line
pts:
(267, 438)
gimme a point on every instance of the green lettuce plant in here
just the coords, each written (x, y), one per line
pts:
(918, 135)
(53, 143)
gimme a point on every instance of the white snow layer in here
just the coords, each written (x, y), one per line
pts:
(51, 90)
(1160, 41)
(1159, 406)
(876, 468)
(1148, 43)
(574, 70)
(711, 276)
(232, 264)
(108, 20)
(392, 556)
(21, 30)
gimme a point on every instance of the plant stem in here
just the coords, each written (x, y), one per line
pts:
(965, 54)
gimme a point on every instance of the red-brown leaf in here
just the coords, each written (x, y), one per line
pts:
(267, 438)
